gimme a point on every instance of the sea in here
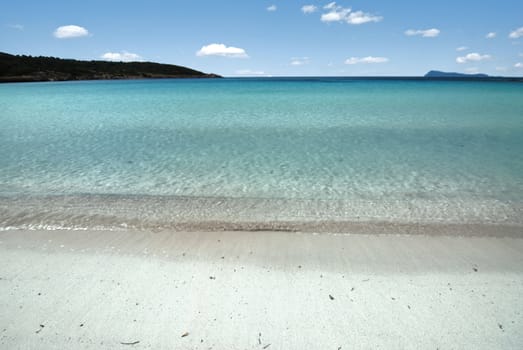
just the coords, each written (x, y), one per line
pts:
(312, 154)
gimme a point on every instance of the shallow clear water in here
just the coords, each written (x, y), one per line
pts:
(290, 149)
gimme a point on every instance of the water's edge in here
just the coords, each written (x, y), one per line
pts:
(123, 212)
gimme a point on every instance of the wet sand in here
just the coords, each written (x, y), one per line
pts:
(254, 290)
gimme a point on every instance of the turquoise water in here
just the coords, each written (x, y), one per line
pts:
(162, 152)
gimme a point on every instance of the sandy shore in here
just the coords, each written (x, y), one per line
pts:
(258, 290)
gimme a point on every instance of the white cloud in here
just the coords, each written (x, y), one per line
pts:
(368, 59)
(490, 35)
(70, 31)
(360, 17)
(501, 69)
(123, 56)
(222, 50)
(472, 57)
(472, 70)
(249, 72)
(16, 26)
(272, 8)
(516, 33)
(309, 9)
(341, 14)
(335, 15)
(462, 48)
(330, 6)
(426, 33)
(518, 65)
(299, 61)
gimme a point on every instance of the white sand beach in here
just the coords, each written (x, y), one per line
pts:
(258, 290)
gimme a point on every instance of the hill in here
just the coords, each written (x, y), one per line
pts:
(439, 74)
(27, 68)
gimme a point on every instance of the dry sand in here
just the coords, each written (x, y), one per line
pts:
(258, 290)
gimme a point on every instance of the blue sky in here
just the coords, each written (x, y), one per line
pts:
(285, 37)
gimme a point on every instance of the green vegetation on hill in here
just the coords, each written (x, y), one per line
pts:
(28, 68)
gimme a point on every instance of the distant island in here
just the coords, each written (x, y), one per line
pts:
(21, 68)
(439, 74)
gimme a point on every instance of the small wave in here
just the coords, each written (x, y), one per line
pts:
(46, 227)
(115, 213)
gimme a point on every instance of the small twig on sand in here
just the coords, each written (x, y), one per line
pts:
(131, 343)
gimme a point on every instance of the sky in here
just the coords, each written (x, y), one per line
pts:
(276, 37)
